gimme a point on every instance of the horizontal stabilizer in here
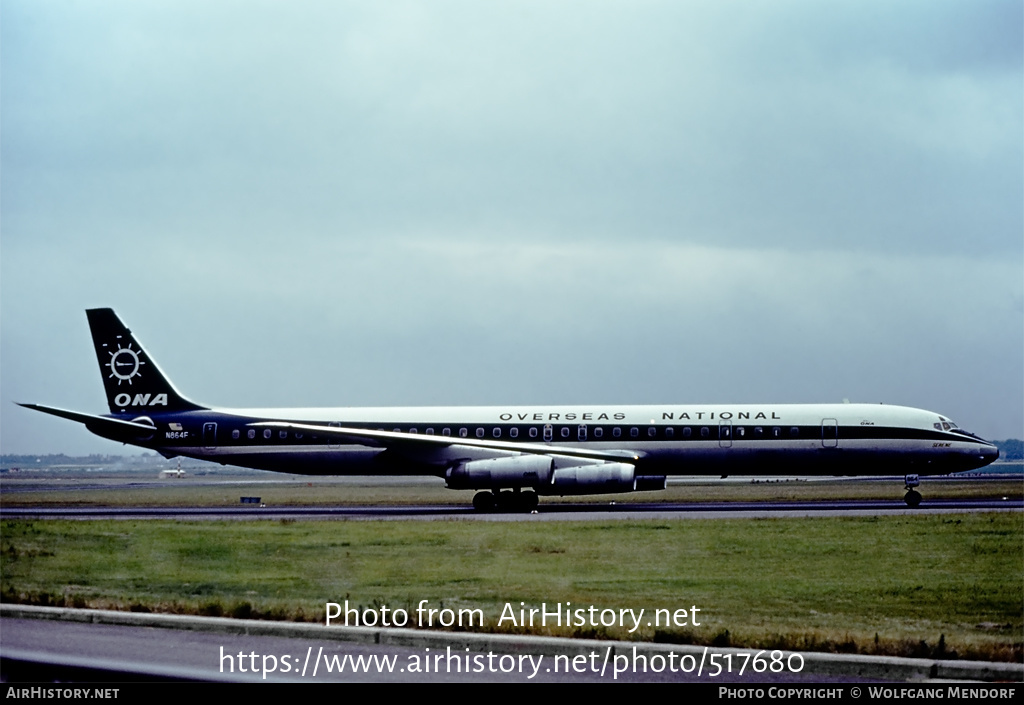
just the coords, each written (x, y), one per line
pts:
(101, 425)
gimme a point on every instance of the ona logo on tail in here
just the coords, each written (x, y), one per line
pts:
(123, 399)
(124, 364)
(123, 359)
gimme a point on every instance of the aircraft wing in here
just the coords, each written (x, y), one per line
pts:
(370, 437)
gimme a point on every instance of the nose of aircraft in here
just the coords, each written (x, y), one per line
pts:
(980, 457)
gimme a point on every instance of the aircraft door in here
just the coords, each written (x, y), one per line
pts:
(549, 432)
(829, 433)
(725, 434)
(209, 435)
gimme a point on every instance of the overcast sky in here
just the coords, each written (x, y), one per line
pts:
(433, 203)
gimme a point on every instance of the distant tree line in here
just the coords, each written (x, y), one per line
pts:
(1010, 449)
(9, 460)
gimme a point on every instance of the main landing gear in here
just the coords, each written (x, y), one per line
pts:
(912, 497)
(514, 501)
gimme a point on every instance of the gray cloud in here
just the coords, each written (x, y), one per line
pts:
(517, 202)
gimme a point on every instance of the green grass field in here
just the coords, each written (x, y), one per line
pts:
(926, 585)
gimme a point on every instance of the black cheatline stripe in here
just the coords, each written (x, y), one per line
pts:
(859, 433)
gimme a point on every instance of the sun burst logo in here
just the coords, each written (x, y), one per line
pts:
(125, 364)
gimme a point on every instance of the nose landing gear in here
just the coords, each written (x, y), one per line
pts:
(912, 497)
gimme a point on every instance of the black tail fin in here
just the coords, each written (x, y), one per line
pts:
(131, 378)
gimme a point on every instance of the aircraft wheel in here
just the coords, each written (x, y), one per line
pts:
(505, 501)
(483, 502)
(912, 498)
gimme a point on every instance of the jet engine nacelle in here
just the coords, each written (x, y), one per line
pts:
(501, 473)
(543, 474)
(592, 479)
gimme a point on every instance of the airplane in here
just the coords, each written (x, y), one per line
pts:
(513, 455)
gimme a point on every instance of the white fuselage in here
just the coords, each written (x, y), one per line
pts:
(658, 439)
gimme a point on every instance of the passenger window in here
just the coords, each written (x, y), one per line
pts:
(740, 431)
(776, 432)
(705, 432)
(252, 433)
(598, 432)
(497, 432)
(513, 432)
(266, 433)
(533, 431)
(430, 432)
(670, 432)
(235, 434)
(282, 434)
(446, 432)
(463, 433)
(565, 431)
(794, 432)
(479, 433)
(634, 432)
(687, 432)
(413, 430)
(758, 431)
(616, 432)
(652, 431)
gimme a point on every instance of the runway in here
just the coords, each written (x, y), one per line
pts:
(546, 512)
(188, 653)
